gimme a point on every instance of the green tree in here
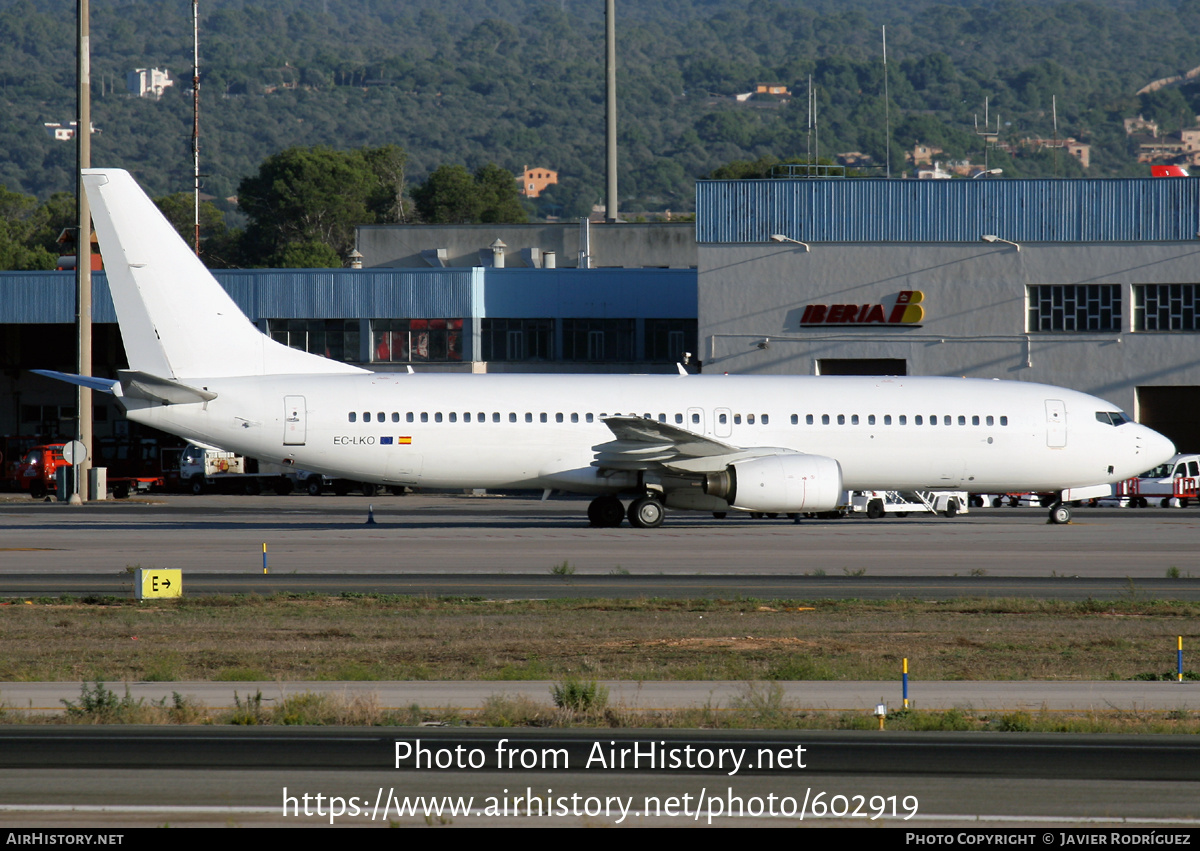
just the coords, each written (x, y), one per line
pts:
(448, 197)
(452, 195)
(317, 195)
(18, 225)
(498, 196)
(217, 244)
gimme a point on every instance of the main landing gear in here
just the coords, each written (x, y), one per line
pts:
(645, 512)
(1060, 513)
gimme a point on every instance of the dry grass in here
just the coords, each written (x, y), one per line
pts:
(759, 706)
(405, 638)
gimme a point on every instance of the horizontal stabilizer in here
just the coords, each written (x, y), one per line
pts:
(142, 385)
(104, 385)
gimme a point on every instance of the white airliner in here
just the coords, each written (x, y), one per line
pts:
(198, 368)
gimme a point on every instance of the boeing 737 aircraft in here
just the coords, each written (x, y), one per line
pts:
(198, 368)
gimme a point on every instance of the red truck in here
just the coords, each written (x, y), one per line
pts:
(37, 469)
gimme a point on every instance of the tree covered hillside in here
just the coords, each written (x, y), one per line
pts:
(519, 82)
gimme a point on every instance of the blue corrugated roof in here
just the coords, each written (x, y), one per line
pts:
(864, 210)
(49, 297)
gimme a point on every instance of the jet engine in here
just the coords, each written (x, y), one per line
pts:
(783, 483)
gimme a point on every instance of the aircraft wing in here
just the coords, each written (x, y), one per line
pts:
(643, 444)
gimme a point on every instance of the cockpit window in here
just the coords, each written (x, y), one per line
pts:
(1113, 418)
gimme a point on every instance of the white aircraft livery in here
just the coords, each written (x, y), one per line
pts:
(198, 368)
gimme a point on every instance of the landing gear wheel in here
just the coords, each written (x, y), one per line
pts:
(1060, 514)
(606, 512)
(645, 512)
(875, 509)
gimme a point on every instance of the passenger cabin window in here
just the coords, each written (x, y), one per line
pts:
(353, 416)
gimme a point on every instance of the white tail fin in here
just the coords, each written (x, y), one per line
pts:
(176, 320)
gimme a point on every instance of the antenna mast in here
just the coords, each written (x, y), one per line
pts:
(887, 115)
(196, 119)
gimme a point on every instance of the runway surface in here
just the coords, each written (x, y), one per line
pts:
(455, 535)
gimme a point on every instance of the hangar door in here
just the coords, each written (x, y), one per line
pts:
(1172, 411)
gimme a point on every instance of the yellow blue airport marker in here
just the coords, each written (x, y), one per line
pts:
(1179, 659)
(264, 558)
(906, 682)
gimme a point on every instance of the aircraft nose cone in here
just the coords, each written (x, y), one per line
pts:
(1155, 447)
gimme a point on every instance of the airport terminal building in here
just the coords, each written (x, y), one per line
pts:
(1089, 284)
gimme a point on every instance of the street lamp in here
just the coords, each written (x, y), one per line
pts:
(778, 237)
(991, 237)
(987, 171)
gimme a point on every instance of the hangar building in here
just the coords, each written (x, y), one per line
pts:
(1090, 284)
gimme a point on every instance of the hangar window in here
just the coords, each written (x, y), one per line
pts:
(668, 339)
(1166, 307)
(598, 339)
(517, 339)
(1075, 307)
(409, 340)
(337, 339)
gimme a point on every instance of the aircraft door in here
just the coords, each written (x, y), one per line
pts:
(722, 422)
(1056, 424)
(295, 421)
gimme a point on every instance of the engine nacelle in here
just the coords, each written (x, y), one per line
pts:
(783, 483)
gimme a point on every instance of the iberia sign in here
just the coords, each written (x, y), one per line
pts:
(905, 310)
